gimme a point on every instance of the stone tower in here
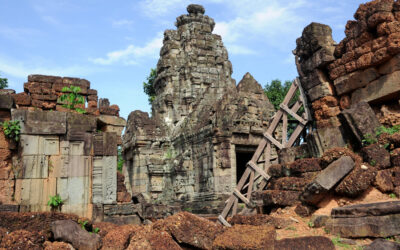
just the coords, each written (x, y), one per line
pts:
(193, 60)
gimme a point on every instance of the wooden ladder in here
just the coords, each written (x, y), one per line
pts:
(253, 172)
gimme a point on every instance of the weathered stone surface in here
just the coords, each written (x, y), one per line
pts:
(6, 102)
(119, 237)
(304, 243)
(323, 139)
(122, 209)
(246, 237)
(276, 197)
(105, 144)
(368, 226)
(319, 220)
(361, 120)
(316, 77)
(190, 229)
(369, 209)
(383, 88)
(9, 208)
(69, 231)
(391, 66)
(319, 91)
(149, 239)
(358, 181)
(22, 239)
(289, 184)
(7, 191)
(75, 192)
(22, 99)
(380, 244)
(40, 122)
(104, 187)
(124, 219)
(355, 80)
(376, 155)
(259, 220)
(302, 166)
(327, 179)
(287, 155)
(48, 245)
(304, 210)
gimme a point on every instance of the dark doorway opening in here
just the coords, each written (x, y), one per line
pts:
(242, 158)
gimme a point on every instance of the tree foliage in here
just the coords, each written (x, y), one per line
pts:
(3, 83)
(276, 91)
(71, 98)
(148, 86)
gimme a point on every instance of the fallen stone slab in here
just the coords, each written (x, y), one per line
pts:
(370, 209)
(276, 197)
(6, 102)
(246, 237)
(368, 226)
(382, 244)
(327, 179)
(376, 155)
(149, 239)
(190, 229)
(259, 220)
(118, 238)
(70, 232)
(361, 119)
(305, 243)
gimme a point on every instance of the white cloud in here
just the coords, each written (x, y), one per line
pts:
(122, 23)
(132, 53)
(239, 50)
(156, 8)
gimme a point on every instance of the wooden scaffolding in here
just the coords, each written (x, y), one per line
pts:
(250, 178)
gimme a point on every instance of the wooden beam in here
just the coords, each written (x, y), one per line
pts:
(273, 140)
(223, 221)
(290, 112)
(250, 186)
(258, 170)
(241, 196)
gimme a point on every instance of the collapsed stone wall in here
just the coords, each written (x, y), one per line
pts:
(354, 89)
(364, 66)
(60, 151)
(186, 152)
(42, 92)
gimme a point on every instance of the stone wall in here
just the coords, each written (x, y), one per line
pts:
(363, 67)
(42, 93)
(186, 152)
(59, 151)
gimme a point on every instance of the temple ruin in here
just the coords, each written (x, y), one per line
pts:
(203, 127)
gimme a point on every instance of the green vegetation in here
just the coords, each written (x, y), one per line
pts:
(120, 162)
(55, 202)
(310, 224)
(71, 98)
(337, 241)
(276, 91)
(291, 228)
(3, 83)
(96, 230)
(372, 163)
(371, 139)
(368, 140)
(148, 86)
(83, 223)
(393, 196)
(11, 129)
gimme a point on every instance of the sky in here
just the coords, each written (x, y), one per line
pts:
(114, 44)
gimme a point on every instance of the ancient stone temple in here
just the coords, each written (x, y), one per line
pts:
(203, 128)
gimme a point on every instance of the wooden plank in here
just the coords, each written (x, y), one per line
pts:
(228, 206)
(250, 186)
(234, 208)
(273, 140)
(275, 121)
(258, 170)
(267, 156)
(284, 128)
(303, 99)
(295, 134)
(290, 93)
(223, 221)
(241, 196)
(259, 150)
(290, 112)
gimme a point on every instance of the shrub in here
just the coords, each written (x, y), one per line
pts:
(55, 202)
(11, 129)
(72, 98)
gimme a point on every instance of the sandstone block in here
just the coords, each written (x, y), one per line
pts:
(391, 66)
(368, 226)
(287, 155)
(26, 192)
(361, 119)
(327, 179)
(69, 231)
(35, 167)
(149, 239)
(246, 237)
(6, 102)
(376, 155)
(345, 102)
(384, 87)
(316, 77)
(276, 197)
(355, 80)
(40, 122)
(320, 91)
(319, 59)
(39, 145)
(393, 43)
(190, 229)
(383, 181)
(22, 99)
(75, 192)
(7, 191)
(122, 209)
(309, 242)
(44, 78)
(325, 138)
(124, 220)
(105, 144)
(382, 244)
(104, 176)
(369, 209)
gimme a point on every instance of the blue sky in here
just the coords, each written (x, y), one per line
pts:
(114, 44)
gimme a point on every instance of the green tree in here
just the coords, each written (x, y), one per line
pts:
(276, 92)
(148, 86)
(3, 83)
